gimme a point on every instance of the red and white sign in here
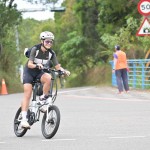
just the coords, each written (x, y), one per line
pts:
(144, 7)
(144, 28)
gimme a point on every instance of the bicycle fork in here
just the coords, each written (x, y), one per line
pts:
(50, 103)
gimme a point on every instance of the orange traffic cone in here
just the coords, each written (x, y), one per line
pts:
(4, 88)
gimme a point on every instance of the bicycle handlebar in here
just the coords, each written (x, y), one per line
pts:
(60, 73)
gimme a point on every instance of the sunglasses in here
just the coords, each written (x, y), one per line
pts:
(48, 42)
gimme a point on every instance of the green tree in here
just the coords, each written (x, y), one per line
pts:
(65, 24)
(9, 17)
(113, 15)
(81, 37)
(135, 47)
(118, 24)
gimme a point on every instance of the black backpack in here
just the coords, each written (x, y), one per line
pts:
(28, 50)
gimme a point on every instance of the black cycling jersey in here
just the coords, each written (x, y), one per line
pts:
(38, 57)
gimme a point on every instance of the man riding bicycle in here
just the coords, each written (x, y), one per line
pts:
(40, 56)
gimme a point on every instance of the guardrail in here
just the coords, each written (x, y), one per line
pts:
(139, 74)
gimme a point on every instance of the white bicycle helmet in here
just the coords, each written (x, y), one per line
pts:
(47, 35)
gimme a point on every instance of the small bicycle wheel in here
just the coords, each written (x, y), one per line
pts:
(50, 125)
(19, 131)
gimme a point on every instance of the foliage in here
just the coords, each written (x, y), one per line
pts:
(74, 50)
(99, 75)
(101, 24)
(29, 39)
(9, 17)
(65, 22)
(127, 39)
(85, 35)
(113, 15)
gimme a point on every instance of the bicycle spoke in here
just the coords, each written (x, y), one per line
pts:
(51, 122)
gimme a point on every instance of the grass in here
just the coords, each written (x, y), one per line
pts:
(100, 75)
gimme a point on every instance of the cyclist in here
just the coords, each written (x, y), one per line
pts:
(40, 56)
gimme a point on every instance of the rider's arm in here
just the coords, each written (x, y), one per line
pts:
(66, 72)
(58, 66)
(54, 59)
(32, 65)
(31, 59)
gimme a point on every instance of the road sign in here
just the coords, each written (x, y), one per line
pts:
(144, 7)
(144, 28)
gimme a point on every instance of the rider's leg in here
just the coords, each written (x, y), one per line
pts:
(46, 80)
(25, 104)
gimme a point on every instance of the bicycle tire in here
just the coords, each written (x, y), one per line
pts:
(52, 123)
(19, 131)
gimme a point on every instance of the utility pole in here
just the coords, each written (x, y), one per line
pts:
(17, 37)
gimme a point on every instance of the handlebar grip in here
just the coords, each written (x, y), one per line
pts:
(61, 72)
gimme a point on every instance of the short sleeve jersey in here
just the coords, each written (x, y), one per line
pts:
(40, 57)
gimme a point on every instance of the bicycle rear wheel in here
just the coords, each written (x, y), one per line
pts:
(49, 127)
(19, 131)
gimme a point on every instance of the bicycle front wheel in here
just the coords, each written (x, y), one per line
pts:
(50, 123)
(19, 131)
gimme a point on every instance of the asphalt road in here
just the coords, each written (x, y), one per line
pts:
(92, 118)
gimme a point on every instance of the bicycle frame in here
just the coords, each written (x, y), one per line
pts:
(36, 83)
(51, 117)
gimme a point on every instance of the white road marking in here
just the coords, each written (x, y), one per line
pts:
(75, 90)
(2, 142)
(105, 98)
(96, 97)
(51, 140)
(126, 137)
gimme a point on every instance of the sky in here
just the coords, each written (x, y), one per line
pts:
(38, 15)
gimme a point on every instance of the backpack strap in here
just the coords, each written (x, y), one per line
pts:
(51, 54)
(38, 47)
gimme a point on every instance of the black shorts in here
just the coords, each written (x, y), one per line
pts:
(29, 75)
